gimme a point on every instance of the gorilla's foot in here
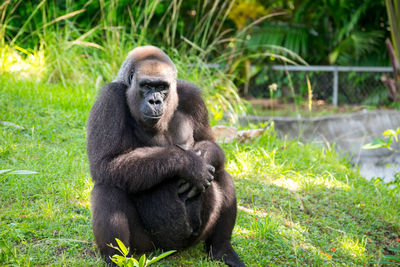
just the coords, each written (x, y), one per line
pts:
(227, 255)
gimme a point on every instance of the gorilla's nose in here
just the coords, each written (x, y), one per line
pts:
(155, 102)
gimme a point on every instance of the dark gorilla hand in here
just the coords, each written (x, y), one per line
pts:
(197, 176)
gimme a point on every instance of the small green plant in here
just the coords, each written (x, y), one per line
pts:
(385, 142)
(132, 262)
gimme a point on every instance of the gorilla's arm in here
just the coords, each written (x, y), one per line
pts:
(114, 162)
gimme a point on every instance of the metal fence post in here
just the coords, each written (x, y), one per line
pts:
(335, 86)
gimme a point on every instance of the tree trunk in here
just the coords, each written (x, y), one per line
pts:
(393, 85)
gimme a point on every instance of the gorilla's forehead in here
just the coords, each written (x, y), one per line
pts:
(146, 52)
(155, 68)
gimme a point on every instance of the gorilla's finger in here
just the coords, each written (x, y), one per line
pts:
(210, 178)
(181, 181)
(207, 185)
(193, 192)
(183, 188)
(211, 168)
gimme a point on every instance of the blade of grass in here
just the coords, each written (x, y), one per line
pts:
(26, 22)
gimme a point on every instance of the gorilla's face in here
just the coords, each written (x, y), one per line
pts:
(153, 92)
(152, 96)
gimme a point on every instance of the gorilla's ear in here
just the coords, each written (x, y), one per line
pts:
(132, 72)
(126, 72)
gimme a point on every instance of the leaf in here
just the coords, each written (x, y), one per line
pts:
(376, 143)
(393, 133)
(333, 56)
(389, 132)
(122, 247)
(218, 115)
(119, 260)
(4, 171)
(132, 262)
(8, 172)
(392, 258)
(22, 172)
(111, 246)
(142, 261)
(165, 254)
(395, 249)
(389, 142)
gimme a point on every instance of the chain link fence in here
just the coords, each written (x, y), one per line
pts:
(333, 84)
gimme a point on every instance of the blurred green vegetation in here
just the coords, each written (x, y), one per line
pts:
(323, 32)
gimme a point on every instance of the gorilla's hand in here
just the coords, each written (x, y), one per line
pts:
(211, 153)
(196, 176)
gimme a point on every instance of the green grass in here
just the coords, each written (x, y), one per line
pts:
(298, 204)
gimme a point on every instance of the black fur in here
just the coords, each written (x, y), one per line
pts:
(158, 183)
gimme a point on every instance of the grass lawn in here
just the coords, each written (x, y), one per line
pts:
(298, 204)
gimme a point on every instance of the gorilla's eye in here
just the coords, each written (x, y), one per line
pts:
(145, 87)
(163, 88)
(164, 92)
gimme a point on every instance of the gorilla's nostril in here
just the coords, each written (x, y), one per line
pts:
(156, 102)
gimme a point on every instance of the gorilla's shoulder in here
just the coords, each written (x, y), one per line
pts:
(113, 88)
(111, 93)
(187, 89)
(110, 99)
(190, 100)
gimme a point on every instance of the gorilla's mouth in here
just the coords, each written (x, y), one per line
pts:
(152, 117)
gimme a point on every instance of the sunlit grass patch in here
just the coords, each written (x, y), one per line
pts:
(353, 246)
(311, 183)
(287, 183)
(22, 63)
(258, 213)
(251, 160)
(243, 232)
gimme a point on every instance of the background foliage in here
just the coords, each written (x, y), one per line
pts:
(241, 36)
(326, 32)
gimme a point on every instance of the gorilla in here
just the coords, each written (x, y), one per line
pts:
(159, 177)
